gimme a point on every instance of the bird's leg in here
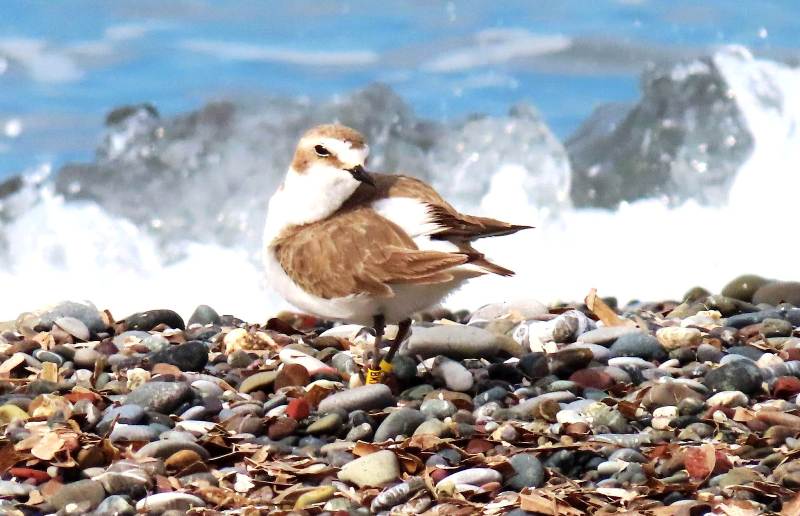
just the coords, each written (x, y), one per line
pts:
(402, 332)
(379, 323)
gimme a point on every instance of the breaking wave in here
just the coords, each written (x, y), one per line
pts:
(693, 184)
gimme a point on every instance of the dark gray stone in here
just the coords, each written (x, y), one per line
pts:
(191, 356)
(401, 422)
(161, 397)
(146, 321)
(203, 315)
(640, 345)
(741, 375)
(528, 472)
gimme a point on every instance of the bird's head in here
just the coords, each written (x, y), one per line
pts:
(332, 154)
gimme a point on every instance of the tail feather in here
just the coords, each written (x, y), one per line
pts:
(492, 267)
(478, 259)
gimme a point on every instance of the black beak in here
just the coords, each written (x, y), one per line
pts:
(362, 175)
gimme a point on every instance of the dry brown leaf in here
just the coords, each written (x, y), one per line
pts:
(700, 461)
(536, 503)
(11, 363)
(49, 444)
(792, 507)
(604, 312)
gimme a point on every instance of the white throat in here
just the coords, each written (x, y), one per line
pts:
(308, 197)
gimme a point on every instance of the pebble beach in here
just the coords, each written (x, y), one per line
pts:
(685, 406)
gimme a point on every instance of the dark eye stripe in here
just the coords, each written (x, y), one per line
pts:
(321, 151)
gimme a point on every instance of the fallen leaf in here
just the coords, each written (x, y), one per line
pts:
(700, 461)
(47, 446)
(604, 312)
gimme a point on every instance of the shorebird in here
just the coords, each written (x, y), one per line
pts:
(349, 245)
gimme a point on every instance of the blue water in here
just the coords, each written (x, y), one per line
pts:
(64, 65)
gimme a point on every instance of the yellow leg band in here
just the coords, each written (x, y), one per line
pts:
(386, 367)
(374, 376)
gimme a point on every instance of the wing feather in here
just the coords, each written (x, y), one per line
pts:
(359, 252)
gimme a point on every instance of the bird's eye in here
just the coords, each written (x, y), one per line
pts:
(321, 151)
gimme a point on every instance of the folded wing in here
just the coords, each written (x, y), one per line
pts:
(358, 251)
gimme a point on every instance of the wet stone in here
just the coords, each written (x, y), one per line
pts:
(402, 422)
(87, 494)
(191, 356)
(741, 375)
(534, 365)
(775, 328)
(159, 396)
(639, 345)
(146, 321)
(778, 292)
(204, 315)
(528, 472)
(743, 287)
(366, 397)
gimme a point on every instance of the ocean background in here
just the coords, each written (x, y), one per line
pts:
(654, 145)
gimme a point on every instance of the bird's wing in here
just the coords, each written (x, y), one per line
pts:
(421, 211)
(357, 251)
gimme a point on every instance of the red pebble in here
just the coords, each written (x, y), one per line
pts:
(291, 375)
(592, 378)
(437, 475)
(785, 387)
(479, 446)
(491, 486)
(34, 474)
(298, 409)
(792, 354)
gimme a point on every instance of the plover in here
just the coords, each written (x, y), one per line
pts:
(345, 244)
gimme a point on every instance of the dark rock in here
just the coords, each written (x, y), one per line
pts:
(191, 356)
(741, 375)
(744, 287)
(778, 292)
(773, 328)
(493, 394)
(640, 345)
(624, 153)
(746, 351)
(124, 414)
(528, 472)
(404, 368)
(203, 315)
(695, 294)
(86, 494)
(87, 313)
(161, 397)
(708, 353)
(567, 361)
(505, 372)
(741, 320)
(534, 365)
(146, 321)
